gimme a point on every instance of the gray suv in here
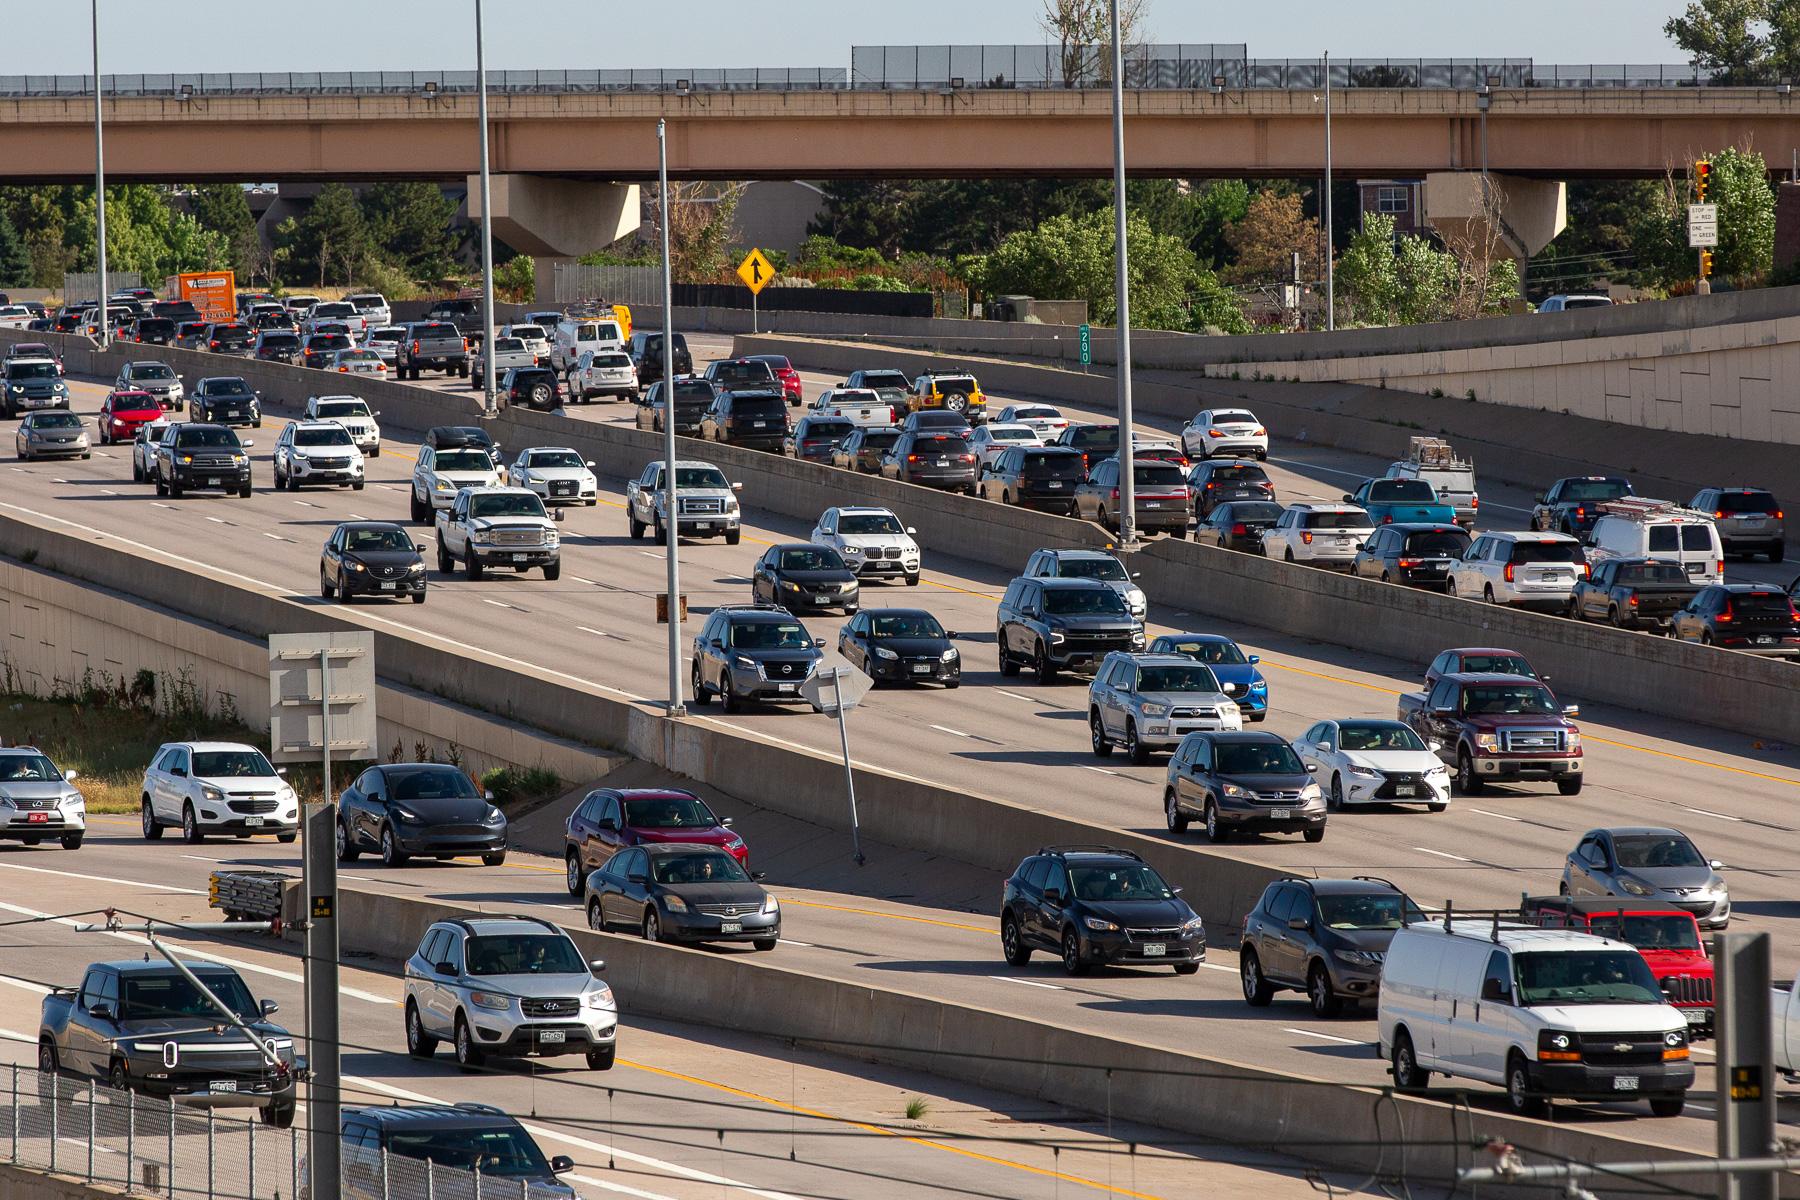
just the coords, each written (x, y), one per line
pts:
(1327, 937)
(510, 986)
(1750, 521)
(1147, 702)
(1243, 783)
(753, 652)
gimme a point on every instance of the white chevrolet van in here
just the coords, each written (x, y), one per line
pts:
(1543, 1013)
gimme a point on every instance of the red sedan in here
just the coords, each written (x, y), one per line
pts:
(784, 371)
(609, 819)
(123, 413)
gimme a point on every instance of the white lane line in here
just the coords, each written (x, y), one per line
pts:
(1214, 966)
(1442, 854)
(54, 479)
(1100, 770)
(595, 632)
(619, 1188)
(1016, 696)
(13, 1035)
(1502, 816)
(1707, 812)
(279, 538)
(649, 554)
(500, 603)
(20, 470)
(591, 583)
(161, 887)
(218, 520)
(1327, 1037)
(952, 732)
(809, 945)
(308, 504)
(160, 504)
(38, 988)
(360, 517)
(110, 492)
(1029, 983)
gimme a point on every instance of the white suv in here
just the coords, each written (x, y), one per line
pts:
(439, 474)
(872, 541)
(316, 452)
(353, 414)
(1325, 535)
(1528, 570)
(217, 787)
(1225, 432)
(508, 986)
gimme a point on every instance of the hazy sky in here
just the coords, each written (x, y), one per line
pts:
(322, 35)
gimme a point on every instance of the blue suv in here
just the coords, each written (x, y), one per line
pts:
(1235, 670)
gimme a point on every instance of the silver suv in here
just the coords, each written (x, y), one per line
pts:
(508, 986)
(1148, 702)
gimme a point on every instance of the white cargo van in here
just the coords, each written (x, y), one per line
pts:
(1543, 1013)
(576, 335)
(1450, 476)
(1634, 527)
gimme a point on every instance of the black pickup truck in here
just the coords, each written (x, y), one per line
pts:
(144, 1026)
(1632, 593)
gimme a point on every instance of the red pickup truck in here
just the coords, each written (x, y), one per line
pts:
(1497, 729)
(1668, 937)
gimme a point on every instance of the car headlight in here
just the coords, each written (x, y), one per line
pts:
(1574, 742)
(771, 907)
(884, 652)
(1366, 958)
(442, 485)
(949, 655)
(416, 568)
(6, 802)
(1310, 792)
(1193, 928)
(1489, 742)
(601, 997)
(1055, 636)
(731, 504)
(405, 814)
(481, 535)
(1633, 887)
(791, 586)
(1259, 685)
(494, 816)
(741, 660)
(493, 1000)
(74, 800)
(1099, 926)
(1137, 637)
(356, 566)
(1156, 710)
(1715, 884)
(213, 794)
(675, 903)
(1234, 792)
(852, 551)
(1364, 772)
(1438, 772)
(187, 458)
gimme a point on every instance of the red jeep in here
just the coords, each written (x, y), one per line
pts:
(1667, 937)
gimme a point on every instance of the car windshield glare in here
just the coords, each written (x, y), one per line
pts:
(524, 954)
(1651, 572)
(1416, 491)
(430, 783)
(699, 866)
(507, 504)
(463, 460)
(1649, 931)
(27, 768)
(1498, 664)
(1547, 552)
(366, 540)
(1438, 544)
(502, 1151)
(1092, 568)
(1377, 735)
(151, 371)
(912, 625)
(1258, 758)
(1116, 882)
(769, 635)
(1507, 699)
(335, 409)
(810, 558)
(31, 370)
(556, 458)
(1368, 910)
(1225, 653)
(1077, 601)
(1585, 977)
(55, 420)
(231, 764)
(863, 523)
(163, 997)
(1176, 679)
(700, 478)
(321, 437)
(669, 812)
(1656, 850)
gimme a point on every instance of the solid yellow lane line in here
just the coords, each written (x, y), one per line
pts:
(869, 912)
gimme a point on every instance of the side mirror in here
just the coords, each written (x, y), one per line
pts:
(911, 532)
(278, 771)
(1254, 658)
(258, 395)
(488, 796)
(637, 877)
(1571, 710)
(1715, 864)
(590, 462)
(1363, 546)
(1539, 500)
(1348, 498)
(608, 823)
(562, 1164)
(1140, 575)
(1434, 744)
(103, 1011)
(1053, 896)
(759, 876)
(178, 772)
(1494, 989)
(1299, 923)
(725, 821)
(818, 643)
(596, 965)
(377, 412)
(556, 514)
(270, 1008)
(419, 547)
(737, 487)
(247, 443)
(444, 968)
(717, 643)
(71, 776)
(949, 636)
(1312, 768)
(1443, 712)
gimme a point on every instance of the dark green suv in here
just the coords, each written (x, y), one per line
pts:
(1326, 937)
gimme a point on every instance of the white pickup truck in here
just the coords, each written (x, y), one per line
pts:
(1785, 1030)
(862, 407)
(509, 352)
(497, 527)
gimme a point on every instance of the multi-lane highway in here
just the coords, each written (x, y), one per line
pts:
(1009, 738)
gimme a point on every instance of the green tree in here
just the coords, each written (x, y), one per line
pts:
(516, 278)
(1746, 249)
(330, 242)
(410, 223)
(1740, 42)
(1597, 244)
(15, 257)
(223, 208)
(1368, 274)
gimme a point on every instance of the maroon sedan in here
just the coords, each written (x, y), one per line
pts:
(609, 819)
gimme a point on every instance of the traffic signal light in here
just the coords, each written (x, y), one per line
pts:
(1702, 177)
(1705, 263)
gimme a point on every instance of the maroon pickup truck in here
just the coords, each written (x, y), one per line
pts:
(1497, 729)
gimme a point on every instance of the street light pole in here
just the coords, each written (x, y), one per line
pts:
(1122, 290)
(672, 519)
(99, 192)
(487, 223)
(1330, 266)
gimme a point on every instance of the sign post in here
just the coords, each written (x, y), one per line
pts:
(756, 272)
(1087, 347)
(835, 693)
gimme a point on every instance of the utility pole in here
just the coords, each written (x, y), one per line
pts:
(318, 848)
(1744, 1054)
(673, 522)
(105, 333)
(1330, 265)
(487, 223)
(1122, 290)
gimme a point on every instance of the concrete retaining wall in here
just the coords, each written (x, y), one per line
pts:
(22, 1183)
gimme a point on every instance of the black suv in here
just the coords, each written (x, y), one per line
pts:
(692, 398)
(1096, 906)
(228, 337)
(1757, 618)
(226, 400)
(646, 350)
(1327, 937)
(1040, 477)
(153, 331)
(317, 349)
(384, 1144)
(531, 387)
(934, 460)
(276, 345)
(752, 652)
(1572, 505)
(1218, 481)
(749, 374)
(755, 419)
(1243, 783)
(1417, 553)
(193, 456)
(1094, 441)
(864, 449)
(1056, 625)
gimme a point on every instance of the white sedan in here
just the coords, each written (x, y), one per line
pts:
(1226, 432)
(991, 440)
(1374, 762)
(1049, 422)
(555, 473)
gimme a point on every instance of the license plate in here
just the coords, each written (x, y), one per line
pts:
(388, 587)
(253, 820)
(214, 482)
(1751, 520)
(759, 424)
(1697, 1016)
(1625, 1083)
(1153, 504)
(942, 462)
(1763, 640)
(731, 927)
(1281, 814)
(222, 1086)
(787, 687)
(552, 1036)
(1405, 789)
(1054, 483)
(520, 557)
(921, 668)
(1155, 949)
(37, 818)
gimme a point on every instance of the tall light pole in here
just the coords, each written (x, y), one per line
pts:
(672, 518)
(99, 192)
(1122, 290)
(487, 223)
(1330, 266)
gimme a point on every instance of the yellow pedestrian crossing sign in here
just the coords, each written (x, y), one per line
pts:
(755, 271)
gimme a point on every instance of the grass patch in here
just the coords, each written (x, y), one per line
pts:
(516, 787)
(916, 1108)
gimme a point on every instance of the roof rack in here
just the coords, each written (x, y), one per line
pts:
(477, 1106)
(1380, 880)
(1497, 915)
(1643, 508)
(1432, 452)
(1089, 849)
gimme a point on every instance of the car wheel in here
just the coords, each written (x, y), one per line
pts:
(1408, 1075)
(635, 526)
(279, 479)
(1325, 1002)
(1706, 638)
(1097, 736)
(1521, 1097)
(471, 564)
(1215, 828)
(496, 859)
(728, 698)
(1135, 750)
(419, 1044)
(595, 916)
(1046, 670)
(913, 579)
(1467, 782)
(1257, 990)
(1176, 820)
(162, 489)
(468, 1054)
(191, 833)
(118, 1077)
(601, 1059)
(445, 563)
(137, 470)
(572, 877)
(1573, 610)
(1315, 835)
(152, 827)
(391, 854)
(1334, 800)
(1072, 961)
(652, 926)
(1569, 787)
(72, 841)
(324, 585)
(1011, 944)
(701, 696)
(1288, 556)
(1008, 667)
(1450, 587)
(419, 514)
(1670, 1106)
(1487, 593)
(343, 589)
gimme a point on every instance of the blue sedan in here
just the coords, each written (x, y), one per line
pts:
(1236, 671)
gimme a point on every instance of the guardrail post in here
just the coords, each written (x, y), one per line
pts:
(430, 1180)
(251, 1126)
(212, 1160)
(385, 1194)
(171, 1144)
(91, 1122)
(55, 1104)
(130, 1134)
(477, 1179)
(15, 1112)
(294, 1159)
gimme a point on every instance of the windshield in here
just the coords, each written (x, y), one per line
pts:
(371, 300)
(463, 460)
(1547, 552)
(31, 370)
(956, 383)
(1743, 604)
(700, 477)
(151, 371)
(1651, 572)
(1257, 758)
(55, 420)
(26, 768)
(328, 341)
(1086, 436)
(885, 379)
(334, 308)
(1656, 850)
(1649, 931)
(524, 954)
(377, 539)
(669, 812)
(1416, 491)
(387, 335)
(1372, 910)
(812, 558)
(829, 430)
(1092, 568)
(769, 635)
(431, 783)
(1439, 543)
(908, 625)
(207, 439)
(160, 997)
(1497, 664)
(322, 437)
(231, 764)
(1177, 679)
(744, 372)
(1585, 977)
(1210, 652)
(1507, 698)
(1746, 502)
(1121, 881)
(509, 343)
(502, 1150)
(1377, 735)
(330, 410)
(700, 866)
(879, 439)
(1075, 601)
(869, 523)
(556, 458)
(507, 504)
(612, 360)
(1233, 416)
(225, 387)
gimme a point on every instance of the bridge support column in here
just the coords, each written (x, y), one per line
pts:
(552, 219)
(1516, 217)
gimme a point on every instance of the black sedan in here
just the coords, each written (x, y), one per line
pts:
(864, 449)
(901, 645)
(682, 892)
(801, 575)
(1239, 525)
(426, 810)
(371, 558)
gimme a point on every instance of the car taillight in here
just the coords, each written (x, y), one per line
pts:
(415, 347)
(1410, 562)
(1214, 433)
(1633, 601)
(1474, 497)
(912, 458)
(1240, 530)
(215, 343)
(1306, 536)
(1724, 618)
(344, 370)
(1260, 431)
(1388, 520)
(1266, 485)
(465, 342)
(965, 458)
(1580, 511)
(1508, 572)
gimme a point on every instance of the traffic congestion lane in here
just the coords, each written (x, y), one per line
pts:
(687, 1112)
(1011, 738)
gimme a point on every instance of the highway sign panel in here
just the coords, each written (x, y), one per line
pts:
(1087, 345)
(841, 687)
(755, 271)
(1703, 225)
